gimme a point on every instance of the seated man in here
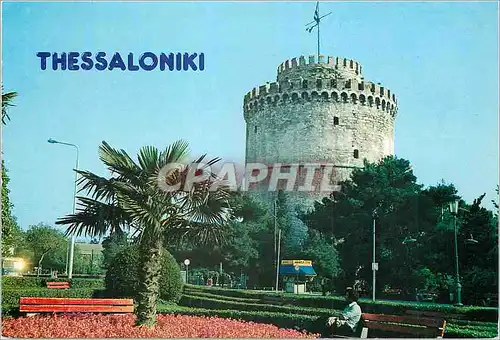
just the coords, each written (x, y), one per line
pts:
(348, 321)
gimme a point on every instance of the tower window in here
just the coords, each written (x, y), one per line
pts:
(255, 129)
(335, 120)
(356, 153)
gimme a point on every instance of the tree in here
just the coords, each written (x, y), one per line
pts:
(133, 199)
(11, 232)
(112, 245)
(48, 246)
(387, 192)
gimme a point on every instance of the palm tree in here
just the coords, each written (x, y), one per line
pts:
(7, 99)
(132, 200)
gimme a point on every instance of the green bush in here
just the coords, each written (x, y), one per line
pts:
(12, 296)
(15, 282)
(122, 276)
(213, 303)
(170, 280)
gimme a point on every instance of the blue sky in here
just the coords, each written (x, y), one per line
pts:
(440, 59)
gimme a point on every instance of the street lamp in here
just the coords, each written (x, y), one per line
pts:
(186, 263)
(374, 264)
(69, 262)
(454, 211)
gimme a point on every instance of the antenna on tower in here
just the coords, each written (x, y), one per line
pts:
(315, 23)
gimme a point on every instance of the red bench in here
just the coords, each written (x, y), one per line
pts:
(73, 305)
(58, 285)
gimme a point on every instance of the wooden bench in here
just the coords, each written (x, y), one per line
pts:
(415, 326)
(73, 305)
(58, 285)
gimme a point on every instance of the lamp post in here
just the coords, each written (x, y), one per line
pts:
(69, 262)
(374, 264)
(454, 211)
(186, 263)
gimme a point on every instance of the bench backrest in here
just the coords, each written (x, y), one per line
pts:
(59, 284)
(415, 325)
(431, 314)
(34, 304)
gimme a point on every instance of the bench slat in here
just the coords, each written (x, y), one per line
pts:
(411, 320)
(415, 331)
(76, 308)
(74, 301)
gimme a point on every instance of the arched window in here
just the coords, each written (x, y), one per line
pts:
(335, 96)
(354, 98)
(305, 96)
(344, 97)
(295, 97)
(324, 95)
(304, 84)
(362, 99)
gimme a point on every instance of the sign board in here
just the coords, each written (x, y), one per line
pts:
(187, 262)
(375, 266)
(297, 267)
(297, 262)
(184, 276)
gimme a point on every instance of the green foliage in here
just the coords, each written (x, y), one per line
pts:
(12, 296)
(122, 276)
(338, 303)
(48, 246)
(27, 282)
(111, 245)
(7, 99)
(170, 281)
(11, 232)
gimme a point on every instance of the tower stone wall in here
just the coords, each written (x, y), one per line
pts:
(319, 111)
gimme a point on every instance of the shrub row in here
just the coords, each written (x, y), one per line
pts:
(12, 296)
(220, 297)
(41, 282)
(476, 313)
(211, 303)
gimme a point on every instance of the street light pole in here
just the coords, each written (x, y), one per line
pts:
(454, 212)
(373, 258)
(72, 242)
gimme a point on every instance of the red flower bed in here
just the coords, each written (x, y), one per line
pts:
(122, 326)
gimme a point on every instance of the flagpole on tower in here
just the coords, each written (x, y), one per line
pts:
(316, 23)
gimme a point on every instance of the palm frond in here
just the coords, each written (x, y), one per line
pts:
(148, 159)
(119, 162)
(7, 99)
(95, 219)
(174, 153)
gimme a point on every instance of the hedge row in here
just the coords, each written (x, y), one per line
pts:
(220, 297)
(212, 303)
(312, 323)
(12, 296)
(476, 313)
(40, 282)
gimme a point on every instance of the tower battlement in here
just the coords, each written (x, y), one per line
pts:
(323, 67)
(349, 91)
